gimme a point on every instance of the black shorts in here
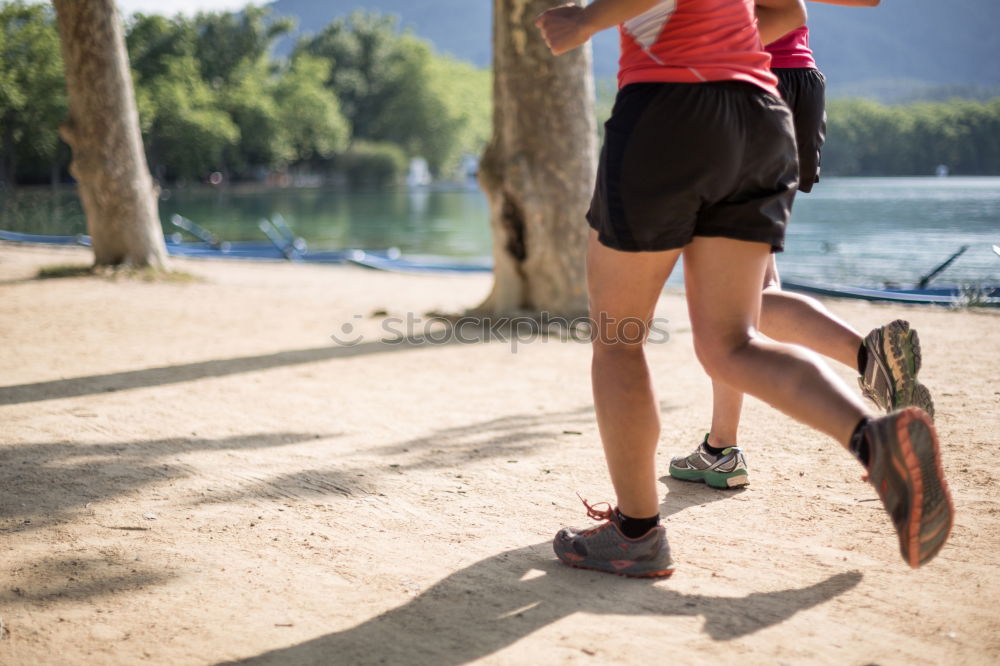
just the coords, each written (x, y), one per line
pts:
(804, 90)
(694, 159)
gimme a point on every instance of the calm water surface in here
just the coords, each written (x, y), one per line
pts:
(847, 231)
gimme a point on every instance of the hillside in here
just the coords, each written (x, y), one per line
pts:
(927, 41)
(458, 27)
(920, 42)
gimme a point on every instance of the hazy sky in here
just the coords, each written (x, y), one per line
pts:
(171, 7)
(178, 6)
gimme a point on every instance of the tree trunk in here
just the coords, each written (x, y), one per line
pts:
(103, 130)
(539, 167)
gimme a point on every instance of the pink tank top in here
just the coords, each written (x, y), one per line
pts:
(694, 41)
(792, 51)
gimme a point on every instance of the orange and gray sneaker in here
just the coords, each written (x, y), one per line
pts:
(889, 378)
(606, 548)
(904, 465)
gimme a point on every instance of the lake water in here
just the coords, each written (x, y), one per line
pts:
(863, 231)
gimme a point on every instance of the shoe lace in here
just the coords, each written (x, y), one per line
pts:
(594, 512)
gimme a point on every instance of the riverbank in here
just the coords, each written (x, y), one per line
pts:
(851, 231)
(194, 472)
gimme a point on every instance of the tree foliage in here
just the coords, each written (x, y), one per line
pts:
(187, 134)
(211, 97)
(393, 88)
(865, 138)
(225, 42)
(32, 92)
(312, 125)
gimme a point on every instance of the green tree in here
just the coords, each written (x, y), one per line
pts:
(32, 91)
(187, 133)
(412, 116)
(465, 92)
(870, 139)
(383, 81)
(312, 124)
(360, 50)
(249, 102)
(155, 41)
(206, 92)
(226, 41)
(170, 95)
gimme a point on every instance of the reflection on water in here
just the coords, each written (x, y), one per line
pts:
(847, 231)
(448, 222)
(872, 230)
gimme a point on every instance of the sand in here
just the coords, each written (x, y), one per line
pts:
(195, 473)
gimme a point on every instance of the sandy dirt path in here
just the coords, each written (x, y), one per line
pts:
(195, 473)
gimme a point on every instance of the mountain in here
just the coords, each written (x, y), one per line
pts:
(458, 27)
(926, 43)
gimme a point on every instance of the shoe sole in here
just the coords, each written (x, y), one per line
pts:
(916, 455)
(719, 480)
(661, 573)
(901, 349)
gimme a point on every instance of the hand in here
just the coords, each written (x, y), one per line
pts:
(563, 28)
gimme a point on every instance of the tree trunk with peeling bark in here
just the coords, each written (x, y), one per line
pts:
(108, 164)
(538, 170)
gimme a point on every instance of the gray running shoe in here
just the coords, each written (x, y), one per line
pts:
(605, 548)
(905, 468)
(727, 470)
(890, 376)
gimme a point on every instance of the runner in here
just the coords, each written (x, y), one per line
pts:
(699, 159)
(887, 359)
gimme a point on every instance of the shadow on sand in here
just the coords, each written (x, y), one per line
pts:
(496, 602)
(99, 472)
(187, 372)
(683, 495)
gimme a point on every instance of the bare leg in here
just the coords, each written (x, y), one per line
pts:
(902, 449)
(722, 278)
(723, 285)
(805, 321)
(790, 318)
(623, 289)
(727, 403)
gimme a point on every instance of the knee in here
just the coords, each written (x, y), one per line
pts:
(619, 337)
(717, 354)
(617, 352)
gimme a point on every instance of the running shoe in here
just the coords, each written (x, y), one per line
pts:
(905, 468)
(726, 470)
(605, 548)
(890, 375)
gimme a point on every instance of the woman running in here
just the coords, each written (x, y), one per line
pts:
(699, 158)
(887, 359)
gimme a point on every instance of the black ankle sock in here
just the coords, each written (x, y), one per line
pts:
(711, 449)
(859, 443)
(862, 358)
(634, 528)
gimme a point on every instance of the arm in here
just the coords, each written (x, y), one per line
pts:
(566, 27)
(851, 3)
(777, 18)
